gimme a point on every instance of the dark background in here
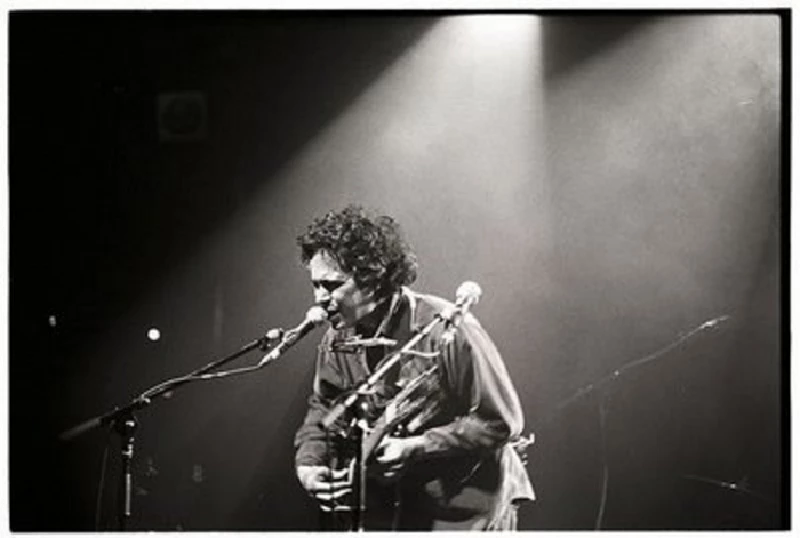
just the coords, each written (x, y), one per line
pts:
(611, 180)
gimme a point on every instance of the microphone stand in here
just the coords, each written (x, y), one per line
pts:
(123, 421)
(367, 386)
(603, 387)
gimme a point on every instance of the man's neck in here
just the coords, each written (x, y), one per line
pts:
(367, 325)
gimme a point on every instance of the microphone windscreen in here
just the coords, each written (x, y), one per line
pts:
(468, 291)
(316, 315)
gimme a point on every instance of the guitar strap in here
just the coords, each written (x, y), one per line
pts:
(393, 306)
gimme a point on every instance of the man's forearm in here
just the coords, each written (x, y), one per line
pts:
(465, 434)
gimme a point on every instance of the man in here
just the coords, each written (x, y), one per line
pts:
(448, 466)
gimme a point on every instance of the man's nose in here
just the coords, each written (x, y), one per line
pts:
(321, 295)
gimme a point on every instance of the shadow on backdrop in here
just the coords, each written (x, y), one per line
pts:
(569, 42)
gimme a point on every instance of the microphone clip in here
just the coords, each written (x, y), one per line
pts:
(269, 339)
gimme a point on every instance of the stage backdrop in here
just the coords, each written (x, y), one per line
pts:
(612, 181)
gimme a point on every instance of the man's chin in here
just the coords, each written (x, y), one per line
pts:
(337, 321)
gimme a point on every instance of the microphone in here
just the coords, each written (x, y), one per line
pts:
(355, 344)
(467, 294)
(714, 322)
(314, 317)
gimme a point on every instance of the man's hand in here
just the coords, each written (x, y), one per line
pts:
(393, 456)
(322, 483)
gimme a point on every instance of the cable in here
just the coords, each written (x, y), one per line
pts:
(601, 510)
(98, 509)
(192, 377)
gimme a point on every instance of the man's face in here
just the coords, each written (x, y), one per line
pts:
(337, 292)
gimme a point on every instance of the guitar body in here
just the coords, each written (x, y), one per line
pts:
(374, 505)
(381, 512)
(380, 503)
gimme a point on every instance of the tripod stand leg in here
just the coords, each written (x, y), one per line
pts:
(127, 429)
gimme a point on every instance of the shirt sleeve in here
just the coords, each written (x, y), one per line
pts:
(311, 441)
(477, 378)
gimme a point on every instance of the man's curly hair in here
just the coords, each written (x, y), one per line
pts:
(369, 248)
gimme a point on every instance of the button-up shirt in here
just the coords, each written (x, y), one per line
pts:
(468, 475)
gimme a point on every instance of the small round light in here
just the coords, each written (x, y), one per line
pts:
(52, 320)
(154, 334)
